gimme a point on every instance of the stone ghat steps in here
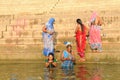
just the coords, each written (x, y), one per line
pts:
(58, 27)
(110, 52)
(21, 41)
(108, 57)
(107, 16)
(54, 5)
(14, 30)
(38, 41)
(21, 56)
(104, 14)
(113, 55)
(89, 4)
(89, 56)
(35, 37)
(38, 34)
(66, 24)
(22, 34)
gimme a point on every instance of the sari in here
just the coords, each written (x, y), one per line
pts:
(81, 42)
(95, 34)
(48, 38)
(95, 37)
(67, 64)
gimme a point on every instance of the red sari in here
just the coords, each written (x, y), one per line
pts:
(81, 42)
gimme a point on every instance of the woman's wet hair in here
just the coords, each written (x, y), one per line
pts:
(79, 21)
(68, 46)
(51, 55)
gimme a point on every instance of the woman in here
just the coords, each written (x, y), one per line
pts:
(51, 62)
(80, 32)
(94, 33)
(67, 57)
(48, 31)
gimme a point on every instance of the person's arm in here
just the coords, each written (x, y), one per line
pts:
(47, 64)
(63, 59)
(76, 28)
(44, 29)
(73, 59)
(54, 63)
(98, 21)
(51, 62)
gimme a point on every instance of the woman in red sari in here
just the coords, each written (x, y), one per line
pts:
(80, 32)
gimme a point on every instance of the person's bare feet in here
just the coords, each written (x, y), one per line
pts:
(82, 60)
(93, 51)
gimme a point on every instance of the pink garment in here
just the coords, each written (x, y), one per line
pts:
(95, 36)
(93, 16)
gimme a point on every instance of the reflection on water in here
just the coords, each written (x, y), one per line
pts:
(86, 74)
(83, 73)
(49, 74)
(37, 71)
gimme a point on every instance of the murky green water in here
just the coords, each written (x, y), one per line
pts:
(36, 71)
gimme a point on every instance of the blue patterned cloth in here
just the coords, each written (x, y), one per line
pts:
(67, 64)
(96, 46)
(48, 38)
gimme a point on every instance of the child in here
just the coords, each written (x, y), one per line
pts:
(51, 62)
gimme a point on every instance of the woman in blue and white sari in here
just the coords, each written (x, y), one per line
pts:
(48, 31)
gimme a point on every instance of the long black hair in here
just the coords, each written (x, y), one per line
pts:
(51, 55)
(79, 21)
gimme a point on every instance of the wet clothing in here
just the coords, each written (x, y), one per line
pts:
(67, 64)
(81, 42)
(51, 65)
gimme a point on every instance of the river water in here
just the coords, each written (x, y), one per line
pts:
(37, 71)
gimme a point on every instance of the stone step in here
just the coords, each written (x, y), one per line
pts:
(38, 40)
(111, 29)
(21, 41)
(36, 27)
(10, 34)
(3, 27)
(114, 31)
(1, 34)
(102, 56)
(33, 34)
(110, 35)
(21, 34)
(21, 56)
(37, 34)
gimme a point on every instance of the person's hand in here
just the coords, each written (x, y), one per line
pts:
(67, 58)
(51, 33)
(50, 61)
